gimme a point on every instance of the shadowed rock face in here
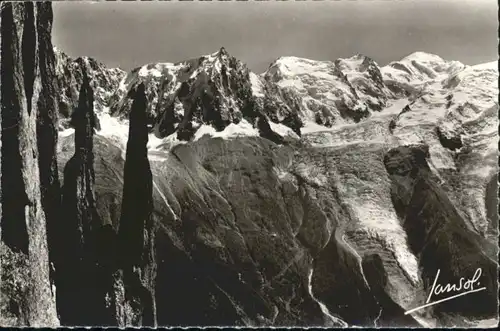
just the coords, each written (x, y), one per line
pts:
(117, 289)
(245, 221)
(79, 222)
(47, 123)
(26, 62)
(244, 234)
(136, 234)
(439, 236)
(225, 286)
(137, 194)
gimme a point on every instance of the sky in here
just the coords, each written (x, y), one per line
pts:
(131, 34)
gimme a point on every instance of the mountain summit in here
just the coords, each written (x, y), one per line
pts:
(331, 185)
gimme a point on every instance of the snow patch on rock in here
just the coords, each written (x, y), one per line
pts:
(283, 130)
(257, 86)
(243, 128)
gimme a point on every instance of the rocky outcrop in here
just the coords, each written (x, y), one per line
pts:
(76, 264)
(136, 236)
(199, 280)
(107, 261)
(104, 82)
(27, 297)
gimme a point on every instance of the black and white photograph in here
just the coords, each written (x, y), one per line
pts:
(249, 164)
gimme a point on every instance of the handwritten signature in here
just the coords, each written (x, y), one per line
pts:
(463, 284)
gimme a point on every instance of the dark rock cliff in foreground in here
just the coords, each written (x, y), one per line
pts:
(27, 298)
(47, 131)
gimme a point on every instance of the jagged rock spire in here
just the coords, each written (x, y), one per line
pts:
(223, 51)
(80, 221)
(137, 195)
(83, 119)
(138, 130)
(136, 233)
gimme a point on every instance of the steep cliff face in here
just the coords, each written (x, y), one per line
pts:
(47, 130)
(27, 296)
(219, 239)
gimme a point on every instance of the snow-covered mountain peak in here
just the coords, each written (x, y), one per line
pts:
(326, 95)
(365, 75)
(423, 61)
(423, 57)
(358, 62)
(210, 64)
(157, 69)
(343, 91)
(215, 90)
(493, 65)
(415, 71)
(294, 66)
(222, 53)
(212, 93)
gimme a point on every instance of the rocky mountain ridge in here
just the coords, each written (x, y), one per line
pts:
(292, 97)
(104, 81)
(421, 111)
